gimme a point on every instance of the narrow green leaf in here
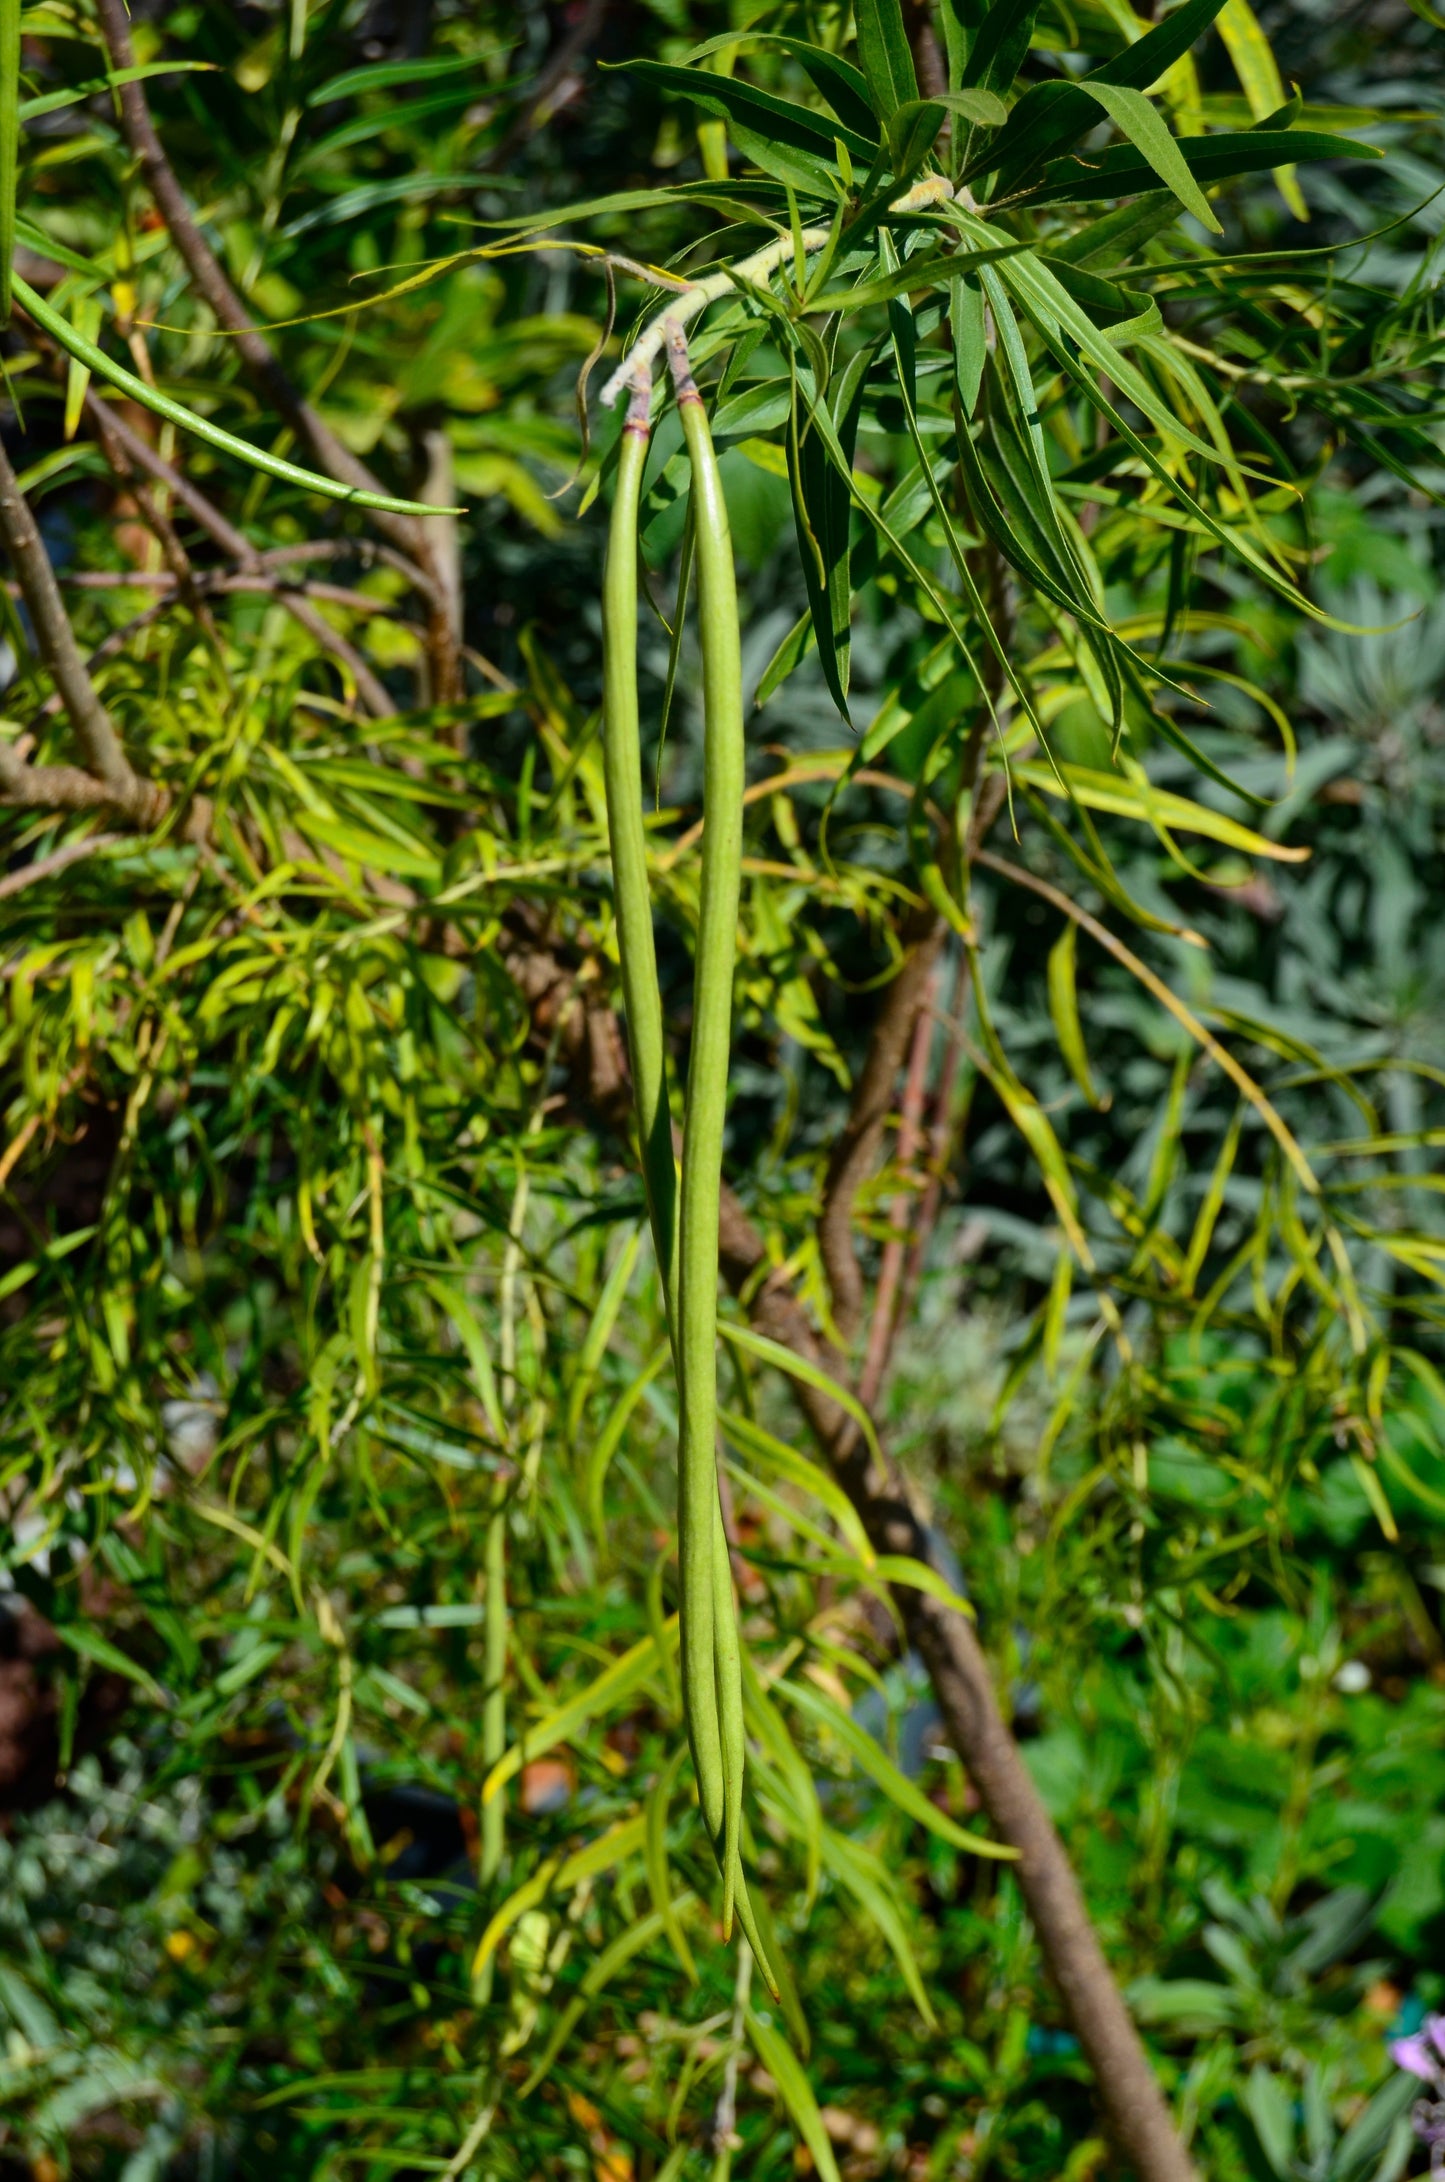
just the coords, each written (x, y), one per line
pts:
(787, 2072)
(104, 367)
(1254, 63)
(599, 1333)
(867, 1879)
(615, 1682)
(609, 1439)
(781, 121)
(876, 1763)
(54, 101)
(753, 1439)
(1135, 117)
(1119, 171)
(797, 1367)
(912, 132)
(91, 1645)
(841, 84)
(999, 44)
(1064, 1008)
(886, 56)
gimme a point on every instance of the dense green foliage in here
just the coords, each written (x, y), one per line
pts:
(323, 1253)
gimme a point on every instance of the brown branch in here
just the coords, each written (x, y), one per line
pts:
(260, 358)
(113, 779)
(67, 788)
(45, 867)
(927, 59)
(112, 429)
(856, 1151)
(887, 1296)
(940, 1142)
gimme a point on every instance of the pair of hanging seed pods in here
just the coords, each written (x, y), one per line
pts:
(684, 1217)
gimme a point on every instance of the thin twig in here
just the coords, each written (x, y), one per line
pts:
(887, 1294)
(259, 357)
(45, 867)
(857, 1147)
(110, 425)
(93, 727)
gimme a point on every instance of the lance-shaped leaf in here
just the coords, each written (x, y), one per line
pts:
(1145, 127)
(832, 74)
(994, 40)
(886, 56)
(1259, 79)
(1054, 114)
(822, 512)
(1064, 1009)
(912, 131)
(104, 367)
(1119, 170)
(869, 1753)
(787, 2072)
(871, 1884)
(781, 122)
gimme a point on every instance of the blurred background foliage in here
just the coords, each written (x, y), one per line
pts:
(311, 1254)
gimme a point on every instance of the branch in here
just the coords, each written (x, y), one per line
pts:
(111, 427)
(888, 1293)
(45, 867)
(927, 60)
(67, 788)
(255, 350)
(857, 1148)
(753, 272)
(110, 774)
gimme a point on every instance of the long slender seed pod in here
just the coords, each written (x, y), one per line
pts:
(706, 1109)
(728, 1669)
(622, 773)
(719, 1781)
(622, 769)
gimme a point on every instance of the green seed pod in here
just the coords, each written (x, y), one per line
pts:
(685, 1235)
(706, 1107)
(622, 772)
